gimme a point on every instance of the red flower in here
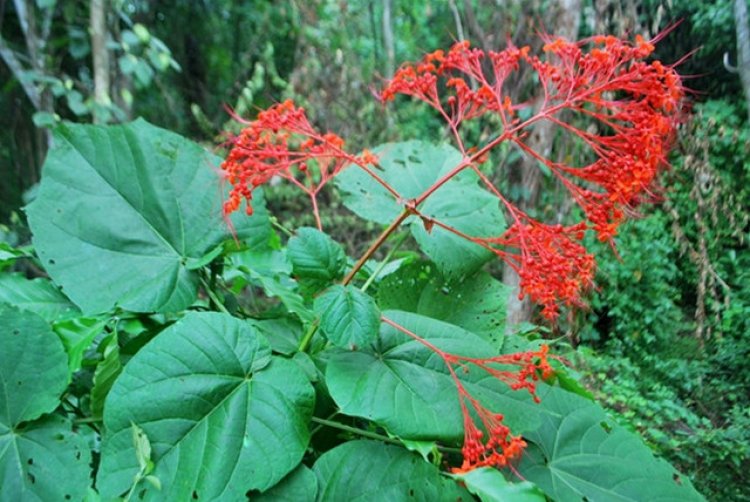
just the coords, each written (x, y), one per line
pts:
(282, 138)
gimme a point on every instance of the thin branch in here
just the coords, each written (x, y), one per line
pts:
(11, 61)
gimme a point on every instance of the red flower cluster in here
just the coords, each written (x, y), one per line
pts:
(492, 445)
(621, 107)
(465, 100)
(553, 266)
(636, 104)
(627, 108)
(489, 442)
(279, 139)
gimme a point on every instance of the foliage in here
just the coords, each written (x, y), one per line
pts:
(201, 363)
(671, 318)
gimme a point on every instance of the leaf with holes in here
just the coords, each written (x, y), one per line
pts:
(40, 458)
(476, 303)
(124, 212)
(33, 367)
(410, 168)
(369, 470)
(348, 317)
(222, 414)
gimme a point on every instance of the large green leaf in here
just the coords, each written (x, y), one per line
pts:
(317, 259)
(369, 470)
(581, 454)
(410, 168)
(125, 213)
(476, 303)
(36, 295)
(348, 317)
(33, 367)
(40, 458)
(406, 387)
(223, 415)
(43, 460)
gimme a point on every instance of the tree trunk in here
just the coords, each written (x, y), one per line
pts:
(564, 22)
(388, 43)
(100, 55)
(743, 47)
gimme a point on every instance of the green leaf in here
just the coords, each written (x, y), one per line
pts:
(33, 367)
(369, 470)
(40, 458)
(283, 333)
(9, 254)
(491, 486)
(269, 268)
(300, 485)
(410, 168)
(317, 260)
(142, 449)
(122, 211)
(222, 414)
(406, 388)
(45, 119)
(77, 336)
(581, 453)
(476, 303)
(348, 317)
(106, 373)
(44, 460)
(36, 295)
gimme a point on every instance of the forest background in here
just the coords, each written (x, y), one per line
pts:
(665, 342)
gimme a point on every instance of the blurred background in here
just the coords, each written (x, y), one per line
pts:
(665, 343)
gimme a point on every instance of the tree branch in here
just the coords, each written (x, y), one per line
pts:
(11, 61)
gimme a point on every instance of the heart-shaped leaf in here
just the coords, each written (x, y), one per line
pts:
(300, 485)
(124, 211)
(491, 486)
(222, 414)
(33, 367)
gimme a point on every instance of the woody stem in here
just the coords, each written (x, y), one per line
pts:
(375, 245)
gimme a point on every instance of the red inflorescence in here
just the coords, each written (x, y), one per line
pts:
(628, 109)
(488, 442)
(554, 267)
(279, 139)
(621, 107)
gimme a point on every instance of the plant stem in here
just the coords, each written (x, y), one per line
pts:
(308, 335)
(375, 245)
(212, 296)
(275, 223)
(355, 430)
(373, 435)
(385, 261)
